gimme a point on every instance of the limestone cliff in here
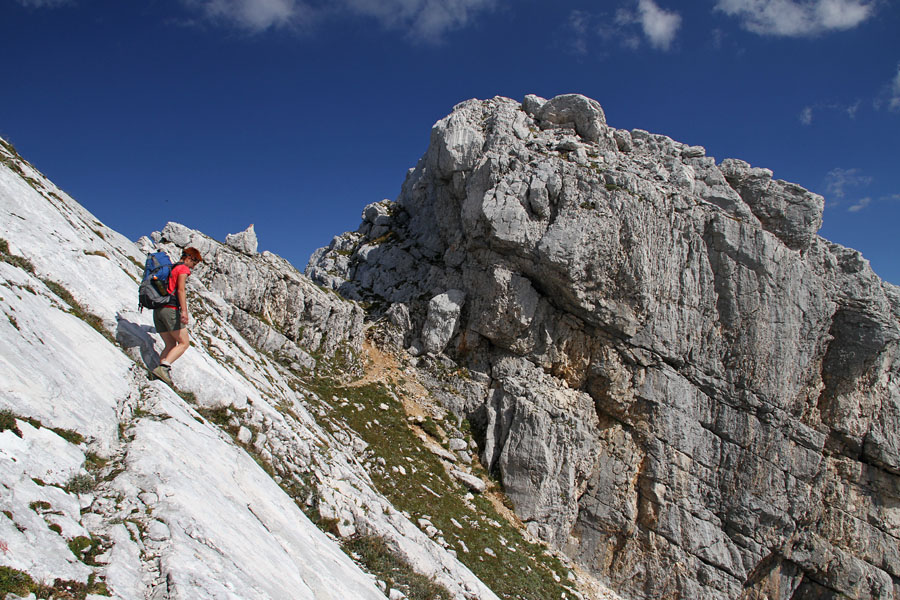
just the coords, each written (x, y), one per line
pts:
(114, 485)
(676, 379)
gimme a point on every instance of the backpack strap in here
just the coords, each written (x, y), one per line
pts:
(174, 296)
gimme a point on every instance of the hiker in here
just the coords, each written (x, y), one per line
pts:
(171, 320)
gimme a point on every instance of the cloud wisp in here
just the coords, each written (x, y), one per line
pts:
(252, 15)
(842, 183)
(860, 204)
(838, 181)
(806, 115)
(627, 28)
(43, 3)
(791, 18)
(659, 25)
(894, 100)
(422, 20)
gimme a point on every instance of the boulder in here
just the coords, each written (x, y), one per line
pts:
(443, 320)
(244, 241)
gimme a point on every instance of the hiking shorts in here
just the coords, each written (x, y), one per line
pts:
(167, 319)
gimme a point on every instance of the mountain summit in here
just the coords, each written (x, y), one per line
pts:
(678, 382)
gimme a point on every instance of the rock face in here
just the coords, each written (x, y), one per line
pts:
(114, 485)
(676, 379)
(268, 301)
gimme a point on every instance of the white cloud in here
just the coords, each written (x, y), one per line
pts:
(425, 20)
(577, 29)
(252, 15)
(806, 115)
(792, 18)
(839, 180)
(861, 204)
(894, 102)
(660, 26)
(43, 3)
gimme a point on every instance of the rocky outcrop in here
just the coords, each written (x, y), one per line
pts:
(677, 380)
(114, 485)
(269, 302)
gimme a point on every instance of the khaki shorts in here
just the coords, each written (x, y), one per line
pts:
(167, 319)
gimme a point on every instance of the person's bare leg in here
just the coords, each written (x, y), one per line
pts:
(169, 339)
(180, 341)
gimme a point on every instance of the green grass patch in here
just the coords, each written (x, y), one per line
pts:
(86, 549)
(379, 560)
(490, 546)
(81, 484)
(20, 583)
(94, 462)
(430, 427)
(8, 422)
(13, 581)
(13, 259)
(71, 436)
(78, 310)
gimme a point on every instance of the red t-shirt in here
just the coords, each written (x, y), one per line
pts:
(173, 280)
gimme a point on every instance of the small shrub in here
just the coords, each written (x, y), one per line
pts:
(380, 561)
(94, 462)
(387, 237)
(8, 422)
(80, 484)
(16, 261)
(13, 581)
(430, 427)
(86, 549)
(39, 505)
(69, 435)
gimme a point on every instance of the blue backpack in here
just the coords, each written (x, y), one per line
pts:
(153, 291)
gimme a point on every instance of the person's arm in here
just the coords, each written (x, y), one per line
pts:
(182, 296)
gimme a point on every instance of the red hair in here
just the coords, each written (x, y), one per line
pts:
(192, 253)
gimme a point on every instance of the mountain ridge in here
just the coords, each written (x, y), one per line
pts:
(682, 383)
(116, 485)
(679, 386)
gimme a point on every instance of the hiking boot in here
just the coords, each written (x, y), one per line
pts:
(162, 372)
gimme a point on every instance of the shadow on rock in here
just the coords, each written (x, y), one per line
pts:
(134, 335)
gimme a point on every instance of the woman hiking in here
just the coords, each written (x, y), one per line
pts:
(171, 320)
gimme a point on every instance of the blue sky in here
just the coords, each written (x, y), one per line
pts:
(295, 114)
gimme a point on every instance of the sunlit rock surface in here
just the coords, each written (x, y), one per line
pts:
(676, 379)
